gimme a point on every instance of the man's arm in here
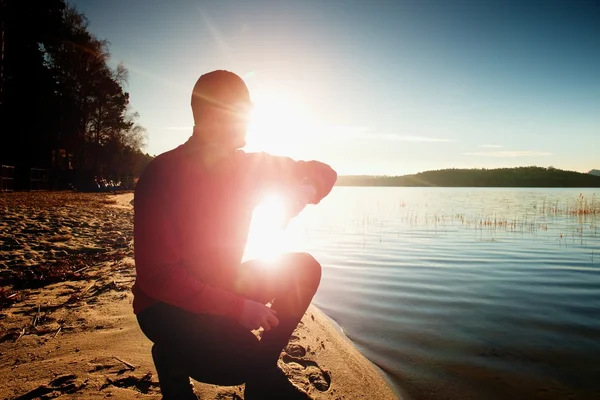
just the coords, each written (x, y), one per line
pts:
(321, 176)
(159, 265)
(284, 171)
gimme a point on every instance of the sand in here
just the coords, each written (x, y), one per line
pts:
(67, 329)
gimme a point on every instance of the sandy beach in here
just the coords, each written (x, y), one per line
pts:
(67, 329)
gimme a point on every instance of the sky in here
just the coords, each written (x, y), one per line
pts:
(374, 87)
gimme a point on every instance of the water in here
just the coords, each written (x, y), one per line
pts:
(463, 293)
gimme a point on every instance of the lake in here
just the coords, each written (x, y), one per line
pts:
(462, 293)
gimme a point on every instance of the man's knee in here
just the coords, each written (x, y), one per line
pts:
(310, 269)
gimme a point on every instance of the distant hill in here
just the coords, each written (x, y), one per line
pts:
(501, 177)
(595, 172)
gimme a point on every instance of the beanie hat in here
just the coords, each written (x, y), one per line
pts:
(220, 89)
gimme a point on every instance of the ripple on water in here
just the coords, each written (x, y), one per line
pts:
(450, 311)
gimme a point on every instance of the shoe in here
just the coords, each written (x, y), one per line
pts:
(273, 384)
(174, 382)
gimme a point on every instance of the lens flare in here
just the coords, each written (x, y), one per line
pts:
(266, 240)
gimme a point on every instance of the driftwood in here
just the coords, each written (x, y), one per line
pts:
(36, 318)
(129, 365)
(57, 331)
(21, 334)
(82, 269)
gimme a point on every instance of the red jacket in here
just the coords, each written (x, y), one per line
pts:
(191, 225)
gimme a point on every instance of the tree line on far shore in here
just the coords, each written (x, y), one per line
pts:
(501, 177)
(63, 108)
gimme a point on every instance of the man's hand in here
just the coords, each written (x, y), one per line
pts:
(306, 193)
(254, 315)
(322, 177)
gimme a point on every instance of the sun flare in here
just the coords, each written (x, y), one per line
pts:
(276, 124)
(266, 240)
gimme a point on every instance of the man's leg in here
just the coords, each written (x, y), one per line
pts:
(290, 282)
(208, 348)
(218, 350)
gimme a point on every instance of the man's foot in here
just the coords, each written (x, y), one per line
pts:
(273, 384)
(174, 383)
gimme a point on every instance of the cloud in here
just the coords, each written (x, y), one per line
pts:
(249, 75)
(491, 146)
(509, 154)
(346, 130)
(409, 138)
(363, 132)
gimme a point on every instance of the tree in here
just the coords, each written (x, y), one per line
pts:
(501, 177)
(60, 97)
(28, 97)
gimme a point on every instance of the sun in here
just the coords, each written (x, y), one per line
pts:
(277, 124)
(265, 239)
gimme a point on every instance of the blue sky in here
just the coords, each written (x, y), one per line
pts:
(375, 87)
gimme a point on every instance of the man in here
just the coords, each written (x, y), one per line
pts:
(193, 296)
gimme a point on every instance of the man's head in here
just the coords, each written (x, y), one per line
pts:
(221, 106)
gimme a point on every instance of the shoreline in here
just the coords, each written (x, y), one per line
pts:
(339, 331)
(77, 336)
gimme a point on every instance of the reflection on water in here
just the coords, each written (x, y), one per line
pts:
(464, 293)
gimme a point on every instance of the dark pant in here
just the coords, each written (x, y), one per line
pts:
(216, 349)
